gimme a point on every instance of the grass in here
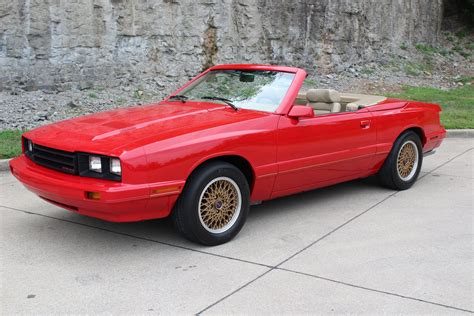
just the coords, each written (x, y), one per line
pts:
(457, 104)
(10, 143)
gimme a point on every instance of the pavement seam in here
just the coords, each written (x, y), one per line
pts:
(235, 291)
(375, 290)
(271, 268)
(161, 243)
(367, 210)
(445, 163)
(140, 238)
(328, 234)
(293, 255)
(284, 261)
(336, 229)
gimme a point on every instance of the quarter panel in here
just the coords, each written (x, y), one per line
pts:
(391, 123)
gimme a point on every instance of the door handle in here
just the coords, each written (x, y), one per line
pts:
(365, 124)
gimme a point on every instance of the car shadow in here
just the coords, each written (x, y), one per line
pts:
(162, 230)
(313, 197)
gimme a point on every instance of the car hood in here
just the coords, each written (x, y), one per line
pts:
(113, 132)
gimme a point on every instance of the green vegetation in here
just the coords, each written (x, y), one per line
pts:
(460, 50)
(310, 82)
(10, 143)
(413, 68)
(460, 47)
(427, 49)
(92, 95)
(368, 70)
(457, 104)
(450, 37)
(445, 52)
(95, 92)
(465, 80)
(138, 94)
(462, 34)
(120, 101)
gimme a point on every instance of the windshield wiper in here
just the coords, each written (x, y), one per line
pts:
(226, 101)
(179, 97)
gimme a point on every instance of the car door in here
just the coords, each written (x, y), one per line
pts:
(324, 149)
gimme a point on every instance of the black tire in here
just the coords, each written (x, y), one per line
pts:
(389, 175)
(187, 211)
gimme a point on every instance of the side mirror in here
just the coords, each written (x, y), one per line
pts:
(298, 111)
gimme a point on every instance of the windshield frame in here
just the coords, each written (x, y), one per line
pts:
(287, 101)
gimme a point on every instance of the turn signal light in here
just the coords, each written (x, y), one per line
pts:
(93, 195)
(165, 190)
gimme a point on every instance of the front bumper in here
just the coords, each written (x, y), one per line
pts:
(119, 202)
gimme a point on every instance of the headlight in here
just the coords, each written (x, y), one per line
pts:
(98, 166)
(27, 145)
(95, 164)
(115, 166)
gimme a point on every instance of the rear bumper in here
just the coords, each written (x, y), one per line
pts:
(119, 202)
(429, 153)
(434, 140)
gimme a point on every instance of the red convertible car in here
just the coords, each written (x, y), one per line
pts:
(232, 136)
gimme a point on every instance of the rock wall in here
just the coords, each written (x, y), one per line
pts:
(80, 43)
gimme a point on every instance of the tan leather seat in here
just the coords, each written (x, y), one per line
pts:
(324, 100)
(301, 98)
(352, 107)
(356, 102)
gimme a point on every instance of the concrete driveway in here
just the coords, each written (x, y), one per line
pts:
(350, 248)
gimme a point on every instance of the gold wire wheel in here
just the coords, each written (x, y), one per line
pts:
(407, 160)
(219, 205)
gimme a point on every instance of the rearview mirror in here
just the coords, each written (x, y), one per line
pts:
(298, 111)
(245, 77)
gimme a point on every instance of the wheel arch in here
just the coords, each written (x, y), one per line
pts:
(417, 130)
(238, 161)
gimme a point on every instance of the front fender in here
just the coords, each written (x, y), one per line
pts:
(175, 158)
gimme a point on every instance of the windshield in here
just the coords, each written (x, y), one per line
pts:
(255, 90)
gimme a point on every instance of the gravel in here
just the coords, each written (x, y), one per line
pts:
(28, 109)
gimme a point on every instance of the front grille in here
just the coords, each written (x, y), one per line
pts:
(56, 159)
(76, 163)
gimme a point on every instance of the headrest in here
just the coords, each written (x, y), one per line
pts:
(352, 107)
(323, 95)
